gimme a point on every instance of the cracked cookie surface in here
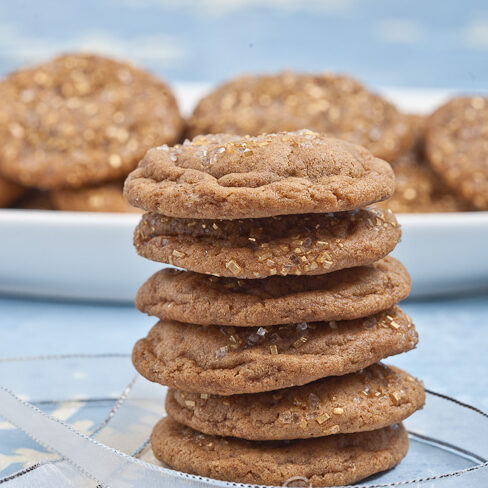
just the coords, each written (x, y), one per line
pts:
(208, 300)
(230, 177)
(326, 461)
(229, 361)
(371, 399)
(308, 244)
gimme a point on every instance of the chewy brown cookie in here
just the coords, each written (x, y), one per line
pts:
(256, 248)
(419, 189)
(101, 198)
(326, 461)
(9, 192)
(36, 200)
(371, 399)
(457, 147)
(330, 104)
(342, 295)
(230, 361)
(82, 119)
(231, 177)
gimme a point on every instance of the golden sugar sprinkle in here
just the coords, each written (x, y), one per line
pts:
(322, 418)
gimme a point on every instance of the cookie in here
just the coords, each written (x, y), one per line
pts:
(231, 177)
(230, 361)
(419, 189)
(308, 244)
(325, 461)
(457, 147)
(82, 119)
(371, 399)
(9, 192)
(107, 197)
(36, 200)
(342, 295)
(326, 103)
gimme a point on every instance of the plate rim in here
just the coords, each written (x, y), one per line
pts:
(13, 216)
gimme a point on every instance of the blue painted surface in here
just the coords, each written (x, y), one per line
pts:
(402, 43)
(451, 357)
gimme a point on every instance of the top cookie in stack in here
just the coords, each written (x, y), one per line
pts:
(288, 302)
(232, 177)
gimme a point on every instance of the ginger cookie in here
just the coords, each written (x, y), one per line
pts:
(457, 147)
(229, 361)
(36, 200)
(342, 295)
(371, 399)
(326, 461)
(331, 104)
(107, 197)
(9, 192)
(232, 177)
(308, 244)
(419, 189)
(82, 119)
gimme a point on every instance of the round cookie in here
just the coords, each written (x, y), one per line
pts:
(9, 192)
(230, 361)
(457, 147)
(325, 461)
(308, 244)
(101, 198)
(371, 399)
(419, 189)
(231, 177)
(326, 103)
(342, 295)
(82, 119)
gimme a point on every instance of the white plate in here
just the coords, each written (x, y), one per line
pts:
(90, 256)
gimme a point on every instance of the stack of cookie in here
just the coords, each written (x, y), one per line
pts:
(270, 342)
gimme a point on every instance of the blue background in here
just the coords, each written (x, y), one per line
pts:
(413, 43)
